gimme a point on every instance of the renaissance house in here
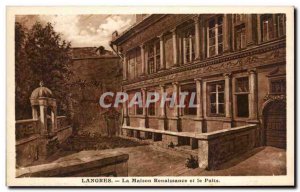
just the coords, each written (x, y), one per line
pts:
(234, 62)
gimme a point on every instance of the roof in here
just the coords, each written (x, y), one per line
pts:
(91, 52)
(41, 92)
(136, 27)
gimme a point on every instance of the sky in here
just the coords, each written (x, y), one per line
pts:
(83, 30)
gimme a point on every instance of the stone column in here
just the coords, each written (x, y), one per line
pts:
(228, 112)
(43, 120)
(191, 48)
(34, 113)
(143, 119)
(275, 26)
(176, 90)
(250, 36)
(226, 36)
(197, 37)
(199, 117)
(162, 119)
(143, 59)
(252, 95)
(258, 29)
(180, 52)
(144, 95)
(203, 44)
(184, 50)
(125, 67)
(54, 119)
(173, 122)
(180, 111)
(125, 113)
(175, 47)
(162, 52)
(162, 111)
(199, 98)
(233, 47)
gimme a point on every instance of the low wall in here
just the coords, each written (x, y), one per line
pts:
(31, 146)
(220, 146)
(214, 148)
(153, 122)
(26, 128)
(82, 164)
(64, 133)
(27, 150)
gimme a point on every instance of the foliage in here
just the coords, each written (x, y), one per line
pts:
(171, 145)
(40, 55)
(192, 162)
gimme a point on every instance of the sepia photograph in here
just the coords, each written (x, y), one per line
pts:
(138, 97)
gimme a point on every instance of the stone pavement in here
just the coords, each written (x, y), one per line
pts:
(150, 160)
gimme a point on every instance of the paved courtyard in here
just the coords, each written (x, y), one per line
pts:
(154, 160)
(150, 160)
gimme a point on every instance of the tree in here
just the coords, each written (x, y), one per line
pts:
(22, 75)
(45, 57)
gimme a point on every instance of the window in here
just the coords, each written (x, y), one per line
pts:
(238, 18)
(215, 36)
(216, 98)
(242, 98)
(151, 108)
(151, 64)
(189, 38)
(267, 27)
(278, 86)
(131, 65)
(240, 36)
(191, 88)
(281, 25)
(138, 110)
(153, 57)
(157, 55)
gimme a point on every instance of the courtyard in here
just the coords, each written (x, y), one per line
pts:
(153, 160)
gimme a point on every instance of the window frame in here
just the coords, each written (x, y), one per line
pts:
(190, 44)
(236, 93)
(263, 19)
(237, 34)
(217, 103)
(150, 106)
(278, 24)
(154, 48)
(187, 88)
(272, 79)
(216, 33)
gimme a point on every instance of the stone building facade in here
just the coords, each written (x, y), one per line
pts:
(95, 70)
(234, 62)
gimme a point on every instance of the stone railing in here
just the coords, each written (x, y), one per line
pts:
(218, 147)
(26, 128)
(82, 164)
(214, 148)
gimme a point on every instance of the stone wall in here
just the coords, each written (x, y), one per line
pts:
(82, 164)
(25, 128)
(31, 146)
(153, 122)
(92, 77)
(63, 129)
(214, 148)
(64, 133)
(27, 150)
(220, 146)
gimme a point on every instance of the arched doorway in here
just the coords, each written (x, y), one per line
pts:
(274, 118)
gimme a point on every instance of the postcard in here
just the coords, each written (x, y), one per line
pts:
(150, 96)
